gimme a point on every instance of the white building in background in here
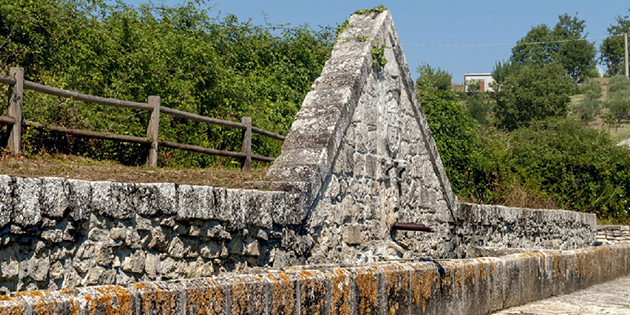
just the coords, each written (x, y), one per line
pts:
(484, 81)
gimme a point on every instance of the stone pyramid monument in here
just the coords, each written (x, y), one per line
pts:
(361, 153)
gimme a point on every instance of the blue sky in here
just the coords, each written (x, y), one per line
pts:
(448, 22)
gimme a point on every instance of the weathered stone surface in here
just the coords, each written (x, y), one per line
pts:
(80, 199)
(6, 200)
(9, 265)
(499, 226)
(151, 199)
(195, 202)
(135, 262)
(27, 208)
(55, 197)
(38, 268)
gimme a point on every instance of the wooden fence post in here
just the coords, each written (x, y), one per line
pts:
(247, 143)
(16, 100)
(152, 130)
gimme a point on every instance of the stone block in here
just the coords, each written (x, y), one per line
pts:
(135, 262)
(55, 197)
(9, 265)
(80, 199)
(282, 293)
(6, 200)
(352, 235)
(156, 198)
(257, 208)
(248, 296)
(38, 268)
(114, 200)
(27, 205)
(195, 202)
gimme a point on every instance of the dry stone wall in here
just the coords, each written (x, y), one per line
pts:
(484, 227)
(362, 150)
(58, 233)
(470, 286)
(610, 234)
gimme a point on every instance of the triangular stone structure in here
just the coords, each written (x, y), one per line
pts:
(361, 153)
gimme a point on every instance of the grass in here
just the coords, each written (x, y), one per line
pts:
(74, 167)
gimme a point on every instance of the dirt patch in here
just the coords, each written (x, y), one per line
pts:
(74, 167)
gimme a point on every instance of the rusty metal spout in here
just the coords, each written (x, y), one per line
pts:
(411, 227)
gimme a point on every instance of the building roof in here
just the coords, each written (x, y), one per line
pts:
(477, 74)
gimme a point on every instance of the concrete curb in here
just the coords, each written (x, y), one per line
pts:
(471, 286)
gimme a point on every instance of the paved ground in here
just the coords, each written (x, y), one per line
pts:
(608, 298)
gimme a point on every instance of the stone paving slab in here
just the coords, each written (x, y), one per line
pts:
(612, 297)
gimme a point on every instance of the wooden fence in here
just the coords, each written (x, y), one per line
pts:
(16, 100)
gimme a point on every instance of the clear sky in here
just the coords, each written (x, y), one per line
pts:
(422, 24)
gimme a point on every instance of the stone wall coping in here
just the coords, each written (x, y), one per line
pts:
(481, 212)
(470, 286)
(613, 227)
(30, 201)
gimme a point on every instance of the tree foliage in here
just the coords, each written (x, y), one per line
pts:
(618, 99)
(579, 167)
(214, 66)
(589, 107)
(612, 48)
(433, 78)
(564, 44)
(454, 133)
(532, 92)
(557, 162)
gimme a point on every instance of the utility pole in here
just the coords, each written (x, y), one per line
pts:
(626, 41)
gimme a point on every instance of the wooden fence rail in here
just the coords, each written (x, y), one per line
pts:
(16, 121)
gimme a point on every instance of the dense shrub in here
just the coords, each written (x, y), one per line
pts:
(218, 67)
(553, 163)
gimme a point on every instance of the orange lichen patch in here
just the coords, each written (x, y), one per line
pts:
(471, 275)
(397, 284)
(454, 280)
(247, 294)
(204, 297)
(11, 306)
(40, 301)
(157, 300)
(341, 291)
(558, 266)
(367, 282)
(166, 300)
(423, 280)
(282, 293)
(115, 300)
(312, 292)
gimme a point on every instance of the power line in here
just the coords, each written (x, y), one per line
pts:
(491, 45)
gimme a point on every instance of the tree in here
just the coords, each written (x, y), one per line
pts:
(433, 78)
(473, 87)
(618, 99)
(502, 70)
(530, 93)
(565, 44)
(534, 47)
(612, 48)
(588, 107)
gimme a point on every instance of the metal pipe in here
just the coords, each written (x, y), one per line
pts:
(412, 227)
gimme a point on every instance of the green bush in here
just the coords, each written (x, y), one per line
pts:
(217, 67)
(580, 167)
(557, 162)
(531, 93)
